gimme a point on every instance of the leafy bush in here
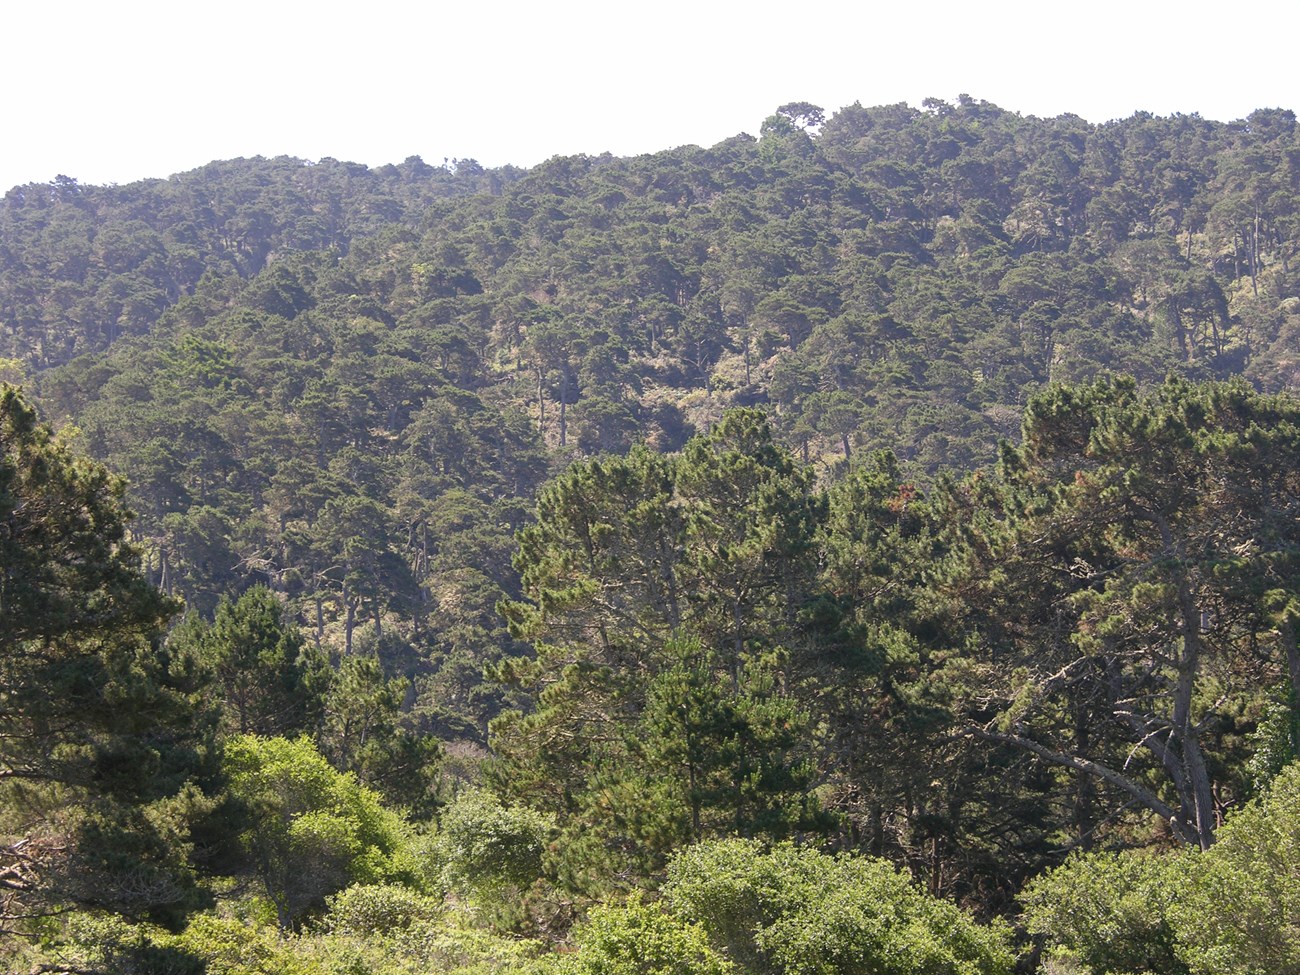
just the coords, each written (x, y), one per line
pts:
(1238, 909)
(380, 909)
(795, 911)
(486, 846)
(1233, 909)
(233, 946)
(642, 939)
(1110, 912)
(312, 830)
(109, 944)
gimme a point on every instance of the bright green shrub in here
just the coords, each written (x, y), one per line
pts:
(485, 846)
(233, 946)
(642, 939)
(1110, 912)
(1233, 909)
(380, 909)
(1238, 909)
(102, 943)
(312, 831)
(795, 911)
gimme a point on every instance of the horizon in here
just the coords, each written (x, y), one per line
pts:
(141, 90)
(450, 162)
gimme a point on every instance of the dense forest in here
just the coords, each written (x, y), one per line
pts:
(870, 547)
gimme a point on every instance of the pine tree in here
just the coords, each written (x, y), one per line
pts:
(99, 734)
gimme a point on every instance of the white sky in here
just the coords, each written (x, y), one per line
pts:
(109, 91)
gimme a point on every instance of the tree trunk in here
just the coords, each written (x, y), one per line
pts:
(541, 403)
(564, 402)
(349, 621)
(1254, 256)
(1192, 775)
(748, 381)
(1086, 791)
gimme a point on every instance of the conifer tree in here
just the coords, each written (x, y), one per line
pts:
(99, 733)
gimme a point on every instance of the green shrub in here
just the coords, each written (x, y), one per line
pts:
(1238, 911)
(485, 846)
(795, 911)
(109, 944)
(233, 946)
(312, 831)
(380, 909)
(642, 939)
(1233, 909)
(1110, 912)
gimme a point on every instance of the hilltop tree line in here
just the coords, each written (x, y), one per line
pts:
(910, 484)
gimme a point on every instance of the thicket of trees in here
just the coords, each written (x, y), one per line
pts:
(542, 558)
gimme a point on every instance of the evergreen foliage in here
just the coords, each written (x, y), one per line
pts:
(101, 738)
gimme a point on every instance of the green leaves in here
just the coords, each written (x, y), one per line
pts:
(1138, 529)
(1238, 909)
(66, 572)
(1111, 911)
(795, 911)
(642, 939)
(484, 846)
(734, 749)
(364, 730)
(663, 595)
(1231, 910)
(312, 831)
(268, 681)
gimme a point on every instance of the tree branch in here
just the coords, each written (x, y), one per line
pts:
(1143, 795)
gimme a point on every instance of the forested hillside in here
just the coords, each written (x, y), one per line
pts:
(913, 484)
